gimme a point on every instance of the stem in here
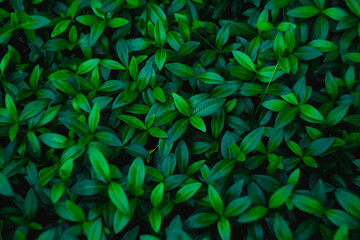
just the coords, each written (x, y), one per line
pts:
(266, 90)
(206, 41)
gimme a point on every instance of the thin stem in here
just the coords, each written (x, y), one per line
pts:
(266, 90)
(206, 41)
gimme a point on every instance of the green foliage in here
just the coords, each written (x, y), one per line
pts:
(182, 119)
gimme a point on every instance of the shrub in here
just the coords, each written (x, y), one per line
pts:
(184, 119)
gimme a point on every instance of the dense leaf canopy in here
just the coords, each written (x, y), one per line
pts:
(179, 119)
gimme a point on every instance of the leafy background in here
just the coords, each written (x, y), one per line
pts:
(184, 119)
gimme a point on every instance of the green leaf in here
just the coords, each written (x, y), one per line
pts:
(208, 107)
(281, 228)
(279, 45)
(307, 53)
(339, 217)
(11, 108)
(215, 200)
(117, 22)
(139, 44)
(6, 32)
(342, 233)
(57, 191)
(120, 221)
(181, 105)
(277, 4)
(275, 105)
(136, 177)
(336, 115)
(310, 114)
(188, 47)
(155, 219)
(224, 228)
(5, 187)
(211, 78)
(34, 22)
(177, 130)
(118, 197)
(186, 192)
(349, 201)
(253, 214)
(99, 163)
(71, 12)
(157, 132)
(285, 116)
(307, 204)
(94, 117)
(180, 70)
(331, 85)
(237, 206)
(54, 140)
(111, 64)
(335, 13)
(34, 77)
(61, 75)
(133, 121)
(201, 220)
(60, 28)
(68, 210)
(280, 196)
(160, 33)
(323, 45)
(354, 6)
(157, 195)
(160, 58)
(354, 56)
(244, 60)
(303, 12)
(250, 142)
(96, 31)
(32, 109)
(319, 146)
(222, 36)
(251, 89)
(221, 169)
(198, 123)
(88, 65)
(95, 231)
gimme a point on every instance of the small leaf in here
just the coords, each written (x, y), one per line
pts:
(349, 201)
(118, 197)
(99, 163)
(303, 12)
(221, 169)
(198, 123)
(224, 228)
(94, 117)
(211, 78)
(177, 130)
(244, 60)
(215, 200)
(34, 22)
(68, 210)
(280, 196)
(281, 228)
(5, 187)
(180, 70)
(186, 192)
(181, 105)
(253, 214)
(307, 204)
(136, 177)
(250, 142)
(157, 195)
(133, 121)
